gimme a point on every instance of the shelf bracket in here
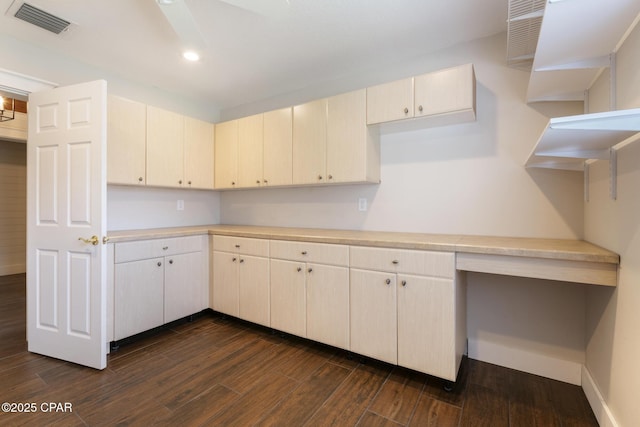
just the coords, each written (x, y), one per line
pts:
(613, 173)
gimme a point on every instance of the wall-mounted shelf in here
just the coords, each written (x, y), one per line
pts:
(568, 141)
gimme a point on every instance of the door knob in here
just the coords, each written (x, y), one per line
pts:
(93, 240)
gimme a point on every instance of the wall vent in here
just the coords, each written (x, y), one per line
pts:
(523, 29)
(42, 19)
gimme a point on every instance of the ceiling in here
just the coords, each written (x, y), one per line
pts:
(255, 49)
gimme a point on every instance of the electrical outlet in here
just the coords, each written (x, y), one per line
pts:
(362, 204)
(180, 206)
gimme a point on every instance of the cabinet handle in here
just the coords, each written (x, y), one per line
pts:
(189, 182)
(180, 182)
(238, 246)
(159, 264)
(404, 283)
(388, 281)
(406, 110)
(266, 182)
(420, 108)
(319, 177)
(395, 262)
(164, 248)
(310, 270)
(234, 259)
(241, 260)
(303, 252)
(299, 269)
(170, 261)
(139, 179)
(330, 177)
(233, 183)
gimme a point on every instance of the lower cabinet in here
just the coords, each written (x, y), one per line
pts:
(156, 282)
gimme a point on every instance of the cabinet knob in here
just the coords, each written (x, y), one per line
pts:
(164, 248)
(139, 179)
(241, 260)
(310, 270)
(299, 269)
(406, 110)
(388, 281)
(420, 108)
(237, 246)
(303, 252)
(404, 283)
(189, 182)
(234, 259)
(180, 182)
(266, 181)
(233, 183)
(257, 181)
(395, 262)
(319, 177)
(170, 261)
(330, 177)
(159, 264)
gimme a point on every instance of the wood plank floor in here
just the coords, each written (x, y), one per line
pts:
(218, 371)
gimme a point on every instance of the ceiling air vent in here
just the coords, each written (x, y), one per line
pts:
(523, 29)
(42, 19)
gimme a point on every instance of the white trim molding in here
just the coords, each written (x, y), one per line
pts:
(598, 405)
(21, 84)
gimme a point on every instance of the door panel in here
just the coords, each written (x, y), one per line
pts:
(66, 200)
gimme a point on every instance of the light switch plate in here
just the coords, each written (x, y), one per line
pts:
(362, 204)
(180, 205)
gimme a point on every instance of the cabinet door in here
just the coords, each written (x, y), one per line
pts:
(372, 313)
(183, 283)
(225, 283)
(254, 289)
(165, 142)
(250, 141)
(310, 142)
(126, 141)
(352, 156)
(226, 154)
(288, 296)
(198, 153)
(426, 325)
(444, 91)
(390, 101)
(139, 296)
(278, 147)
(328, 304)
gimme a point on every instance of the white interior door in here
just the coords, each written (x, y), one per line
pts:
(66, 202)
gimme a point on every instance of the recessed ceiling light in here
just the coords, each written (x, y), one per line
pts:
(191, 55)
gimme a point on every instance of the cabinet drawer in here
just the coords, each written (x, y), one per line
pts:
(153, 248)
(423, 263)
(241, 245)
(321, 253)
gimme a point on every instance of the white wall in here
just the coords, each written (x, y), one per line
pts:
(466, 179)
(613, 321)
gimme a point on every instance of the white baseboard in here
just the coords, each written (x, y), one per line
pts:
(598, 405)
(558, 369)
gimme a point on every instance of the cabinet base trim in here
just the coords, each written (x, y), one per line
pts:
(596, 401)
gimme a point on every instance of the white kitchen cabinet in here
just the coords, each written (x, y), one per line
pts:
(373, 318)
(352, 149)
(158, 281)
(278, 147)
(165, 142)
(198, 154)
(310, 290)
(250, 143)
(424, 300)
(241, 278)
(443, 97)
(139, 297)
(126, 141)
(310, 142)
(226, 155)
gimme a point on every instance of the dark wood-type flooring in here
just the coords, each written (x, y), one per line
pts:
(218, 371)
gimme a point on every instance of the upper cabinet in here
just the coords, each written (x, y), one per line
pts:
(165, 142)
(226, 155)
(443, 97)
(353, 150)
(278, 147)
(310, 142)
(179, 150)
(127, 138)
(250, 143)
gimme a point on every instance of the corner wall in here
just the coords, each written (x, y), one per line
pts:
(613, 316)
(461, 179)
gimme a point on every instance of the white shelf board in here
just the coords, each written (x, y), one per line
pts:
(568, 141)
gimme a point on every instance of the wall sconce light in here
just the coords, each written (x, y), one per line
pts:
(4, 115)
